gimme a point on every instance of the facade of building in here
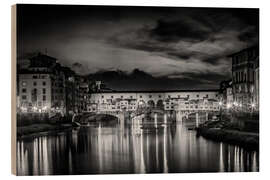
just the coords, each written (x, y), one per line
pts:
(71, 96)
(41, 87)
(229, 94)
(256, 84)
(243, 80)
(35, 92)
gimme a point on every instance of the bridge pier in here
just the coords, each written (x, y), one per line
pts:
(179, 116)
(165, 118)
(121, 119)
(197, 119)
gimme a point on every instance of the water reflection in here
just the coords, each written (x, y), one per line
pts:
(130, 149)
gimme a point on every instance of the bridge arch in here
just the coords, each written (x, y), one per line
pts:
(151, 104)
(160, 104)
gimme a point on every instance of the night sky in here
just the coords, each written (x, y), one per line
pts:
(176, 48)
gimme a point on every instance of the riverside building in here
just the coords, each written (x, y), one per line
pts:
(41, 86)
(243, 77)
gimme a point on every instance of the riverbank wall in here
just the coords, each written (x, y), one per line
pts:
(244, 139)
(246, 121)
(243, 121)
(36, 130)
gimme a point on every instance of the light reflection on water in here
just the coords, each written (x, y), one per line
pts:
(129, 149)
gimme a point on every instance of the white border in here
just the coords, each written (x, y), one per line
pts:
(5, 99)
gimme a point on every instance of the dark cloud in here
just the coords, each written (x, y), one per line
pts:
(211, 60)
(226, 30)
(249, 36)
(183, 56)
(179, 47)
(173, 31)
(209, 76)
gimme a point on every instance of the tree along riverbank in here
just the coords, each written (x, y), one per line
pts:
(223, 131)
(36, 125)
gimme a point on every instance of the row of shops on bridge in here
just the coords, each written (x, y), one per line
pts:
(116, 102)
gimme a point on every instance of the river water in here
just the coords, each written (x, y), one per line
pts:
(120, 148)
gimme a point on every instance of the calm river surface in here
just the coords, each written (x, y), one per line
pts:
(123, 148)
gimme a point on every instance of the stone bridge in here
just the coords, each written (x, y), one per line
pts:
(183, 102)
